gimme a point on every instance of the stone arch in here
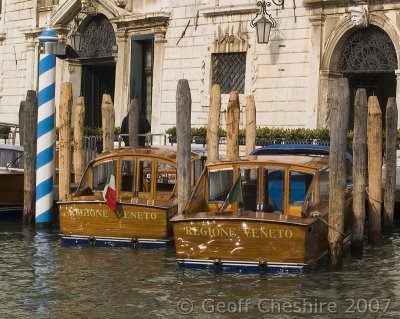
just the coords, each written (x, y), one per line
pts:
(98, 38)
(344, 30)
(332, 52)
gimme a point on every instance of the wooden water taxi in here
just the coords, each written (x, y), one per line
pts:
(145, 191)
(270, 213)
(11, 181)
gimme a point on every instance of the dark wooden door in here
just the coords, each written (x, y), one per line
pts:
(97, 80)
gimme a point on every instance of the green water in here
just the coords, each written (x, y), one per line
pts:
(41, 279)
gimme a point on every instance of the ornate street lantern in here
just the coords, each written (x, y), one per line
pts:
(264, 24)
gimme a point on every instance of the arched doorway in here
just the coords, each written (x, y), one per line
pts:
(98, 66)
(368, 59)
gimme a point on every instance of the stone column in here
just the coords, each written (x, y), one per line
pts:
(325, 77)
(159, 49)
(30, 64)
(317, 23)
(397, 72)
(121, 93)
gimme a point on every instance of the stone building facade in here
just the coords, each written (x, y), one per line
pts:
(141, 48)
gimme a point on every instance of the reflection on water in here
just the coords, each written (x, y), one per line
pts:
(41, 279)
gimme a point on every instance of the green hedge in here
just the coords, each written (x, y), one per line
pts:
(5, 130)
(267, 133)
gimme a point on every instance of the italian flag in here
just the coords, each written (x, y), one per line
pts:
(109, 194)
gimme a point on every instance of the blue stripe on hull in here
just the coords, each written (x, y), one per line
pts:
(84, 241)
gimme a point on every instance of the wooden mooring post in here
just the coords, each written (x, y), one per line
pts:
(30, 112)
(213, 124)
(183, 136)
(78, 154)
(250, 125)
(390, 166)
(64, 141)
(133, 123)
(108, 122)
(232, 127)
(21, 122)
(359, 171)
(339, 115)
(374, 134)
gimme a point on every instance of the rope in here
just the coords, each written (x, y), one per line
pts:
(318, 216)
(376, 200)
(336, 230)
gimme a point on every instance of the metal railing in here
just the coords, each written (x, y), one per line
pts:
(11, 137)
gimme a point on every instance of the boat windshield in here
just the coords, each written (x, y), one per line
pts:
(11, 158)
(219, 184)
(102, 173)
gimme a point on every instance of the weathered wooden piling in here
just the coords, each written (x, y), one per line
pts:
(134, 123)
(232, 127)
(374, 134)
(21, 120)
(108, 122)
(359, 171)
(250, 125)
(390, 164)
(78, 155)
(64, 141)
(213, 124)
(339, 106)
(183, 135)
(30, 112)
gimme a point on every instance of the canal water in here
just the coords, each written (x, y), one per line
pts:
(41, 279)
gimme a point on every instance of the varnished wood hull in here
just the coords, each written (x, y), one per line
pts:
(11, 188)
(130, 222)
(249, 240)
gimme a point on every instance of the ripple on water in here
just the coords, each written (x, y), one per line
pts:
(41, 279)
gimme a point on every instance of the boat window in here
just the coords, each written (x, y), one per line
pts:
(144, 176)
(219, 184)
(127, 175)
(273, 190)
(166, 177)
(299, 182)
(323, 179)
(101, 174)
(197, 167)
(11, 158)
(249, 187)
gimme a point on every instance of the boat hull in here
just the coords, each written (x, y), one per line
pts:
(249, 243)
(11, 194)
(93, 224)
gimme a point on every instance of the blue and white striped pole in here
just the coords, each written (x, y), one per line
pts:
(45, 132)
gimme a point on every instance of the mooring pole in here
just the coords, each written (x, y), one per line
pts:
(213, 124)
(390, 164)
(133, 121)
(339, 115)
(374, 133)
(359, 171)
(64, 142)
(251, 128)
(45, 132)
(108, 122)
(183, 135)
(232, 127)
(30, 110)
(78, 155)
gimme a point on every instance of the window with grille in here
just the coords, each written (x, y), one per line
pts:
(228, 70)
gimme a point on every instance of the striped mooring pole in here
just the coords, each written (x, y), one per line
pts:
(45, 132)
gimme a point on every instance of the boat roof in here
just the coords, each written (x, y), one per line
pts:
(165, 153)
(296, 149)
(314, 162)
(14, 147)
